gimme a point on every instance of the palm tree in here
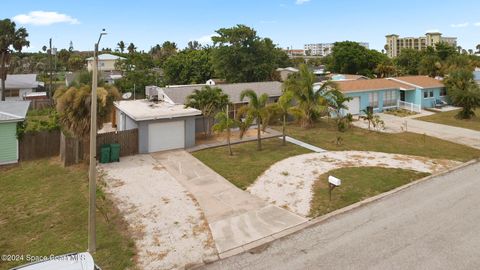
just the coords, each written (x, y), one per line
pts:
(311, 103)
(11, 39)
(470, 51)
(283, 107)
(256, 108)
(224, 122)
(209, 100)
(121, 46)
(368, 116)
(337, 101)
(463, 91)
(478, 48)
(131, 48)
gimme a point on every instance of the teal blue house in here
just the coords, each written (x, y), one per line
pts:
(11, 112)
(409, 92)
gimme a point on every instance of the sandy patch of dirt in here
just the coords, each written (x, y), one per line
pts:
(294, 190)
(169, 228)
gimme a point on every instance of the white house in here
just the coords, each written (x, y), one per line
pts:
(106, 62)
(18, 86)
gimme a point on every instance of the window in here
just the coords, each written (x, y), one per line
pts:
(373, 100)
(428, 94)
(443, 92)
(12, 93)
(390, 98)
(425, 94)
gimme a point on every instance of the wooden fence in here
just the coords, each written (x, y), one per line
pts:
(37, 145)
(73, 151)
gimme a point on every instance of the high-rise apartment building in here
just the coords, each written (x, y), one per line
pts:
(324, 49)
(395, 43)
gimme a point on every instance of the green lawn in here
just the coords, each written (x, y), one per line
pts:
(44, 210)
(247, 163)
(448, 118)
(357, 184)
(325, 134)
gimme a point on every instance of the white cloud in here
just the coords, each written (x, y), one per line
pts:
(44, 18)
(432, 30)
(477, 24)
(207, 39)
(301, 2)
(459, 25)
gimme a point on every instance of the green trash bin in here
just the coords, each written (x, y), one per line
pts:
(114, 152)
(105, 153)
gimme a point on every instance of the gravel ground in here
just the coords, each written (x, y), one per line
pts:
(288, 183)
(168, 227)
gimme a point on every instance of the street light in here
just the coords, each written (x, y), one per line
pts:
(92, 186)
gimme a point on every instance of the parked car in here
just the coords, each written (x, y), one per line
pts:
(70, 261)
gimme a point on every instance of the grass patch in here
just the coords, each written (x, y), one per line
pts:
(357, 185)
(246, 164)
(324, 135)
(448, 118)
(44, 210)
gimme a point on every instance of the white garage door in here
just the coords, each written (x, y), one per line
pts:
(353, 106)
(166, 136)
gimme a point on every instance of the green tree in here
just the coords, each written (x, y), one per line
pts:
(209, 100)
(224, 122)
(463, 91)
(11, 39)
(445, 50)
(188, 66)
(131, 48)
(75, 62)
(337, 102)
(161, 53)
(239, 55)
(310, 103)
(138, 72)
(283, 107)
(257, 109)
(408, 61)
(431, 65)
(121, 46)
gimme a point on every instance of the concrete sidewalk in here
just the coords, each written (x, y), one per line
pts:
(394, 124)
(236, 217)
(303, 144)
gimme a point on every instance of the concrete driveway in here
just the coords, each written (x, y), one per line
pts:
(236, 217)
(449, 133)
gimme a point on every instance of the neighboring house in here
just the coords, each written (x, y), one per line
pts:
(106, 62)
(346, 77)
(11, 112)
(285, 72)
(161, 125)
(17, 86)
(476, 75)
(410, 92)
(179, 93)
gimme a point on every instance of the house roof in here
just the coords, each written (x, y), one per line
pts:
(372, 84)
(179, 94)
(22, 81)
(142, 109)
(420, 81)
(107, 56)
(346, 77)
(13, 111)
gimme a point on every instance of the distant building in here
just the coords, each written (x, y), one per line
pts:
(295, 52)
(18, 86)
(283, 73)
(106, 62)
(395, 43)
(324, 49)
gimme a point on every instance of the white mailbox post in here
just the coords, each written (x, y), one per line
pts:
(333, 182)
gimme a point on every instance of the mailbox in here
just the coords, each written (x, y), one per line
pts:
(334, 181)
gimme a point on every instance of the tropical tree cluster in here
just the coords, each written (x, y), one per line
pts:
(463, 91)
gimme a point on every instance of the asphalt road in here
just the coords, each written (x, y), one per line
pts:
(432, 225)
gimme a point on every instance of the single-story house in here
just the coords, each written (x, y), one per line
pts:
(346, 77)
(106, 62)
(162, 125)
(410, 92)
(17, 86)
(179, 93)
(283, 73)
(11, 112)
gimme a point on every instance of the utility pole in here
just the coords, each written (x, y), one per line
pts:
(50, 68)
(92, 183)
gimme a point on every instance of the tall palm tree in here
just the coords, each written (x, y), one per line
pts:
(283, 107)
(478, 48)
(131, 48)
(310, 103)
(11, 39)
(256, 109)
(224, 122)
(121, 46)
(209, 100)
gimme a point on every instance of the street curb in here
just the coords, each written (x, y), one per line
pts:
(266, 241)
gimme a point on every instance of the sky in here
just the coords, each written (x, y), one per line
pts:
(289, 23)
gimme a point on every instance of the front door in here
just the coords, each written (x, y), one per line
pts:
(402, 95)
